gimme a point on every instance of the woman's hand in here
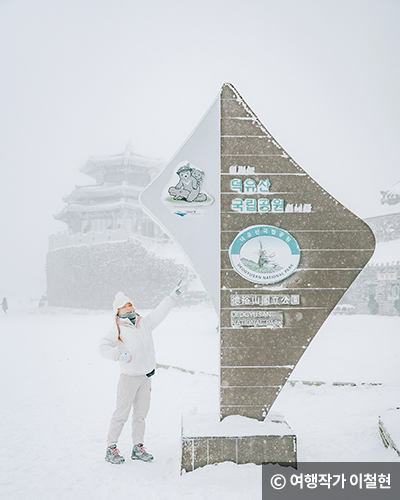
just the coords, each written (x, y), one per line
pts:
(178, 290)
(125, 357)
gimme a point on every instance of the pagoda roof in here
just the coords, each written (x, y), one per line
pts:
(104, 207)
(103, 191)
(126, 159)
(392, 195)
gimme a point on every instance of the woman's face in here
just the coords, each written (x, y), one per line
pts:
(127, 308)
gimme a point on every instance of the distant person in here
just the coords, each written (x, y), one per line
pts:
(4, 305)
(373, 305)
(130, 342)
(43, 301)
(397, 305)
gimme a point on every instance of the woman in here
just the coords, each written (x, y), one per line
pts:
(131, 344)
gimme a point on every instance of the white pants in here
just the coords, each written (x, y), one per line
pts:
(132, 391)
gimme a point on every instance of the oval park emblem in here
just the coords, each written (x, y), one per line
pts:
(264, 254)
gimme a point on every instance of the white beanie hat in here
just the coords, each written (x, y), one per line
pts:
(120, 300)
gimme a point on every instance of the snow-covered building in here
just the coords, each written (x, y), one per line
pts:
(377, 289)
(113, 202)
(110, 244)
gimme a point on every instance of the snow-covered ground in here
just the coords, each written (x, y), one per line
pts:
(57, 396)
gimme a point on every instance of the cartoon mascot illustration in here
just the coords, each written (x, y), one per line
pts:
(188, 187)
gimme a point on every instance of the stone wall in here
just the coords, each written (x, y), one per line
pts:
(385, 227)
(377, 288)
(67, 239)
(375, 291)
(89, 276)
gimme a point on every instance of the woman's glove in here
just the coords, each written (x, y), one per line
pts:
(125, 357)
(178, 290)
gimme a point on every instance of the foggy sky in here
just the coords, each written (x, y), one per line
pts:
(83, 77)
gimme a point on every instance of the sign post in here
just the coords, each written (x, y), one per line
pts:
(276, 253)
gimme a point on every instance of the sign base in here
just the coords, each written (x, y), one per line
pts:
(206, 440)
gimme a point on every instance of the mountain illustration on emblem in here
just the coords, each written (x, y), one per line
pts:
(265, 261)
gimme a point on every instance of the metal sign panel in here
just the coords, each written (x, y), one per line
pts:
(185, 200)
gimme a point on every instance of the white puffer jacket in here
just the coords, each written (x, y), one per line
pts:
(137, 340)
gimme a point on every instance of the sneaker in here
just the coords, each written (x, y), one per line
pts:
(113, 455)
(139, 453)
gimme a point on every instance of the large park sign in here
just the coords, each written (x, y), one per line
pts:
(275, 251)
(289, 251)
